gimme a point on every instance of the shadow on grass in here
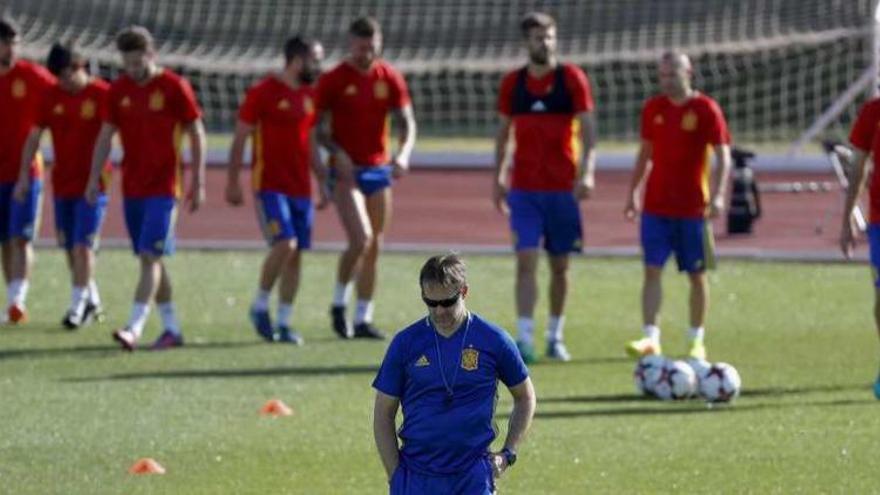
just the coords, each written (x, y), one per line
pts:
(105, 350)
(597, 360)
(235, 373)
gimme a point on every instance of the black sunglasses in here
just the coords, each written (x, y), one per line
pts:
(446, 303)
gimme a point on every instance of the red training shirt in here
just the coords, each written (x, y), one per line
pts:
(864, 137)
(359, 103)
(547, 146)
(75, 119)
(682, 138)
(150, 119)
(283, 117)
(22, 90)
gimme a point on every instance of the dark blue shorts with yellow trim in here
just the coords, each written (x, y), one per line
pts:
(150, 223)
(284, 217)
(20, 218)
(689, 238)
(370, 180)
(477, 480)
(552, 216)
(78, 222)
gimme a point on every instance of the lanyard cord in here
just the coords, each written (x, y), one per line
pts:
(450, 388)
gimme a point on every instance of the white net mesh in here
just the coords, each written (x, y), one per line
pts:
(774, 65)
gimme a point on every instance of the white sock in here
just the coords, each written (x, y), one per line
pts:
(285, 312)
(652, 332)
(78, 297)
(261, 301)
(16, 293)
(169, 318)
(364, 311)
(554, 328)
(524, 329)
(138, 318)
(94, 296)
(341, 294)
(696, 334)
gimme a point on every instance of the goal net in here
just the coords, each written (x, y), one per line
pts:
(774, 65)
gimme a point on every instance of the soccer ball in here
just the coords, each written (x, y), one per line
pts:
(720, 383)
(700, 366)
(648, 372)
(678, 381)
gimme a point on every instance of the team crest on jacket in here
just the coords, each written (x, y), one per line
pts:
(470, 359)
(19, 89)
(157, 101)
(87, 111)
(689, 121)
(380, 90)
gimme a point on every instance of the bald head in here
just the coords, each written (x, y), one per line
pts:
(675, 73)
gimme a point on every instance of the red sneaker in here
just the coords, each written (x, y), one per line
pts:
(16, 313)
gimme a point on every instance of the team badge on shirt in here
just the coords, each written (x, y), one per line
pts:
(658, 120)
(284, 105)
(689, 121)
(422, 362)
(19, 89)
(58, 109)
(87, 110)
(351, 90)
(125, 102)
(157, 101)
(470, 359)
(380, 90)
(308, 106)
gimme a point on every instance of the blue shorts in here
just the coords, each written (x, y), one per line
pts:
(150, 223)
(20, 219)
(874, 245)
(77, 222)
(477, 480)
(369, 180)
(689, 238)
(284, 217)
(553, 216)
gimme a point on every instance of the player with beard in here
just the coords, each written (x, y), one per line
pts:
(279, 113)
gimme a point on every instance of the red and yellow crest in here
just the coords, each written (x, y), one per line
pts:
(308, 106)
(125, 102)
(58, 109)
(19, 89)
(157, 101)
(87, 110)
(689, 121)
(380, 90)
(284, 105)
(470, 359)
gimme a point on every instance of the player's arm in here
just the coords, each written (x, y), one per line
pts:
(27, 157)
(856, 185)
(103, 144)
(320, 169)
(384, 430)
(499, 185)
(342, 163)
(586, 181)
(406, 124)
(196, 132)
(723, 164)
(524, 403)
(640, 169)
(243, 130)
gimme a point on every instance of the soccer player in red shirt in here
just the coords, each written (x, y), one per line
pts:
(866, 142)
(279, 113)
(73, 111)
(548, 107)
(151, 108)
(23, 85)
(357, 97)
(680, 129)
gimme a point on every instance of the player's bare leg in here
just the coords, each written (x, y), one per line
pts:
(81, 260)
(652, 296)
(352, 210)
(171, 336)
(21, 258)
(379, 213)
(144, 294)
(526, 297)
(273, 266)
(6, 251)
(558, 295)
(699, 306)
(290, 275)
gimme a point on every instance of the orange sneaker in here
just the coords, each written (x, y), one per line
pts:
(16, 313)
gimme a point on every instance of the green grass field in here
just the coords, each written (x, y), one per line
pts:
(75, 412)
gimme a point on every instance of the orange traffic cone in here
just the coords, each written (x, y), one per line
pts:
(276, 407)
(146, 465)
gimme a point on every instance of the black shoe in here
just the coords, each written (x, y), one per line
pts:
(367, 331)
(340, 324)
(93, 313)
(72, 321)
